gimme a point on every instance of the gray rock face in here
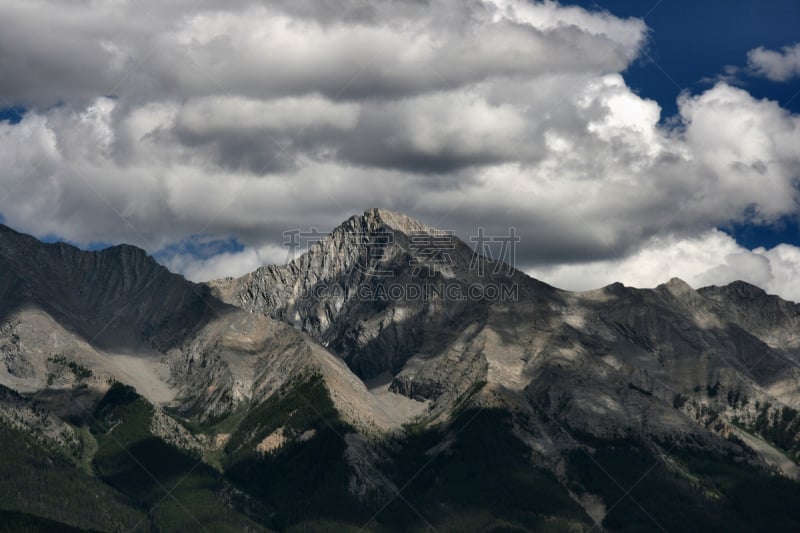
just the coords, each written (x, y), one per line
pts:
(375, 293)
(20, 413)
(773, 320)
(73, 322)
(446, 330)
(117, 298)
(670, 362)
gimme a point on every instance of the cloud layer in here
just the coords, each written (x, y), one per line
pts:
(776, 66)
(712, 258)
(150, 123)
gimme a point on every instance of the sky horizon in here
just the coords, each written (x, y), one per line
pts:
(624, 141)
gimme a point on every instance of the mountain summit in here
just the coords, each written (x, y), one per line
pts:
(414, 379)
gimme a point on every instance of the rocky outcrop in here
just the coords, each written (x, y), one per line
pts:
(380, 289)
(117, 298)
(773, 320)
(439, 329)
(74, 322)
(668, 362)
(21, 413)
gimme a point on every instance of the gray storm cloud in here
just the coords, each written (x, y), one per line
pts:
(149, 123)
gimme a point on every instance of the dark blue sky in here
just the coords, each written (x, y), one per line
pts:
(692, 41)
(11, 114)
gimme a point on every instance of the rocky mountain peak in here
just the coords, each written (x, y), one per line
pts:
(34, 256)
(119, 295)
(373, 286)
(396, 221)
(676, 283)
(745, 290)
(677, 287)
(563, 372)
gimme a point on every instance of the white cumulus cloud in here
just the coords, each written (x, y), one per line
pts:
(775, 65)
(151, 122)
(712, 258)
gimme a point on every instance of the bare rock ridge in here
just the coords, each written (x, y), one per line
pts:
(353, 290)
(669, 361)
(80, 320)
(773, 319)
(399, 334)
(119, 296)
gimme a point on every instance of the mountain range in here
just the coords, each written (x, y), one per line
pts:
(390, 378)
